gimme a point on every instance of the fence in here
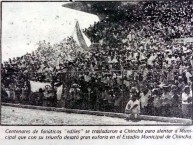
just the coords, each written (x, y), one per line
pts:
(159, 91)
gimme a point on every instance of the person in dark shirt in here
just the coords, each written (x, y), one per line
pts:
(176, 102)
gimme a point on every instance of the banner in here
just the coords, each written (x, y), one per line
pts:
(184, 40)
(35, 86)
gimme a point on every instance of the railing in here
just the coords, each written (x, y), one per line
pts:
(159, 91)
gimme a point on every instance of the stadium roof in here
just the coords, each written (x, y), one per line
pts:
(100, 8)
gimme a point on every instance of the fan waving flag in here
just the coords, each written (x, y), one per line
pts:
(80, 38)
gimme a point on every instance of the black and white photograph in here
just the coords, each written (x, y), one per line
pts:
(97, 63)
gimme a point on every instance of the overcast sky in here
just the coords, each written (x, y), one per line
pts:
(24, 24)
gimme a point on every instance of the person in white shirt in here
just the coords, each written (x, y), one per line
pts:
(133, 107)
(187, 102)
(188, 76)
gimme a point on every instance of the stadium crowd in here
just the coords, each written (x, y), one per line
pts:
(135, 55)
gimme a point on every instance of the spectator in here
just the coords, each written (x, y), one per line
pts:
(133, 107)
(140, 48)
(187, 102)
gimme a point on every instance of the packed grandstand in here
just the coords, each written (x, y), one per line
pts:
(145, 52)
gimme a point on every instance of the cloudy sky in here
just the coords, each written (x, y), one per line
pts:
(24, 24)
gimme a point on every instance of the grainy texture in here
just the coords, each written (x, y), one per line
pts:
(12, 115)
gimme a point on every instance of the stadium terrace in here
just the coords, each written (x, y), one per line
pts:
(144, 52)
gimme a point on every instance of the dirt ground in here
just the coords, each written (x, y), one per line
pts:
(15, 116)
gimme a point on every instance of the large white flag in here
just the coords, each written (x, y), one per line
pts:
(80, 37)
